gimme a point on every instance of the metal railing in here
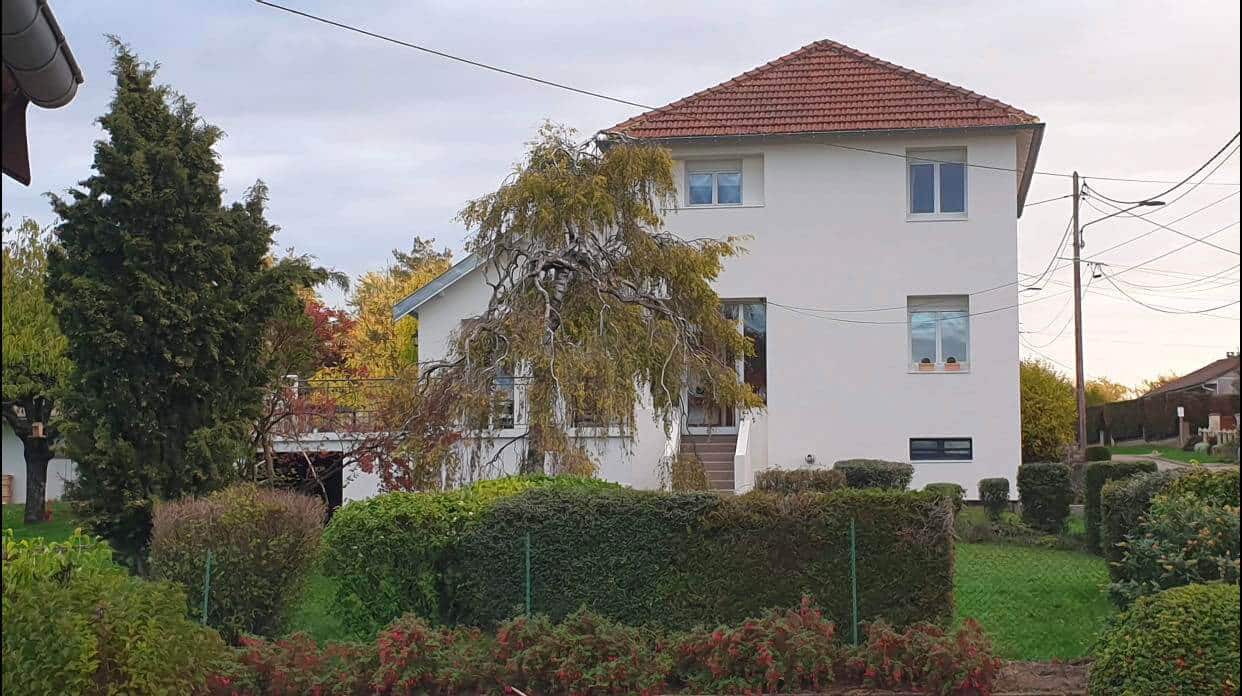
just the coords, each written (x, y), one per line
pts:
(304, 406)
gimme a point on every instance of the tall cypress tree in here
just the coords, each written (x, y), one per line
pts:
(164, 294)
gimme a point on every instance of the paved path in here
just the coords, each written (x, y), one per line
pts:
(1164, 464)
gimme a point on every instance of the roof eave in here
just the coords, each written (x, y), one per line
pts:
(410, 304)
(1028, 167)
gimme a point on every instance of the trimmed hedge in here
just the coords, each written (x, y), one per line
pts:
(799, 480)
(994, 493)
(1216, 486)
(263, 543)
(679, 560)
(1098, 474)
(1180, 641)
(1045, 491)
(875, 473)
(387, 554)
(952, 491)
(1098, 453)
(1123, 503)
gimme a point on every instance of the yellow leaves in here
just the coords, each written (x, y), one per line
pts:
(378, 346)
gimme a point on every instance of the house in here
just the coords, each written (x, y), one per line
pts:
(879, 284)
(1218, 377)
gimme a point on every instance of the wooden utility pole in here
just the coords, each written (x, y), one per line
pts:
(1080, 385)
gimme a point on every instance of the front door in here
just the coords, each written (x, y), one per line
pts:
(704, 416)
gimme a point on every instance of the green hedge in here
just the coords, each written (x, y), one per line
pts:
(1098, 453)
(951, 491)
(1098, 474)
(1045, 491)
(1216, 486)
(994, 493)
(875, 473)
(679, 560)
(1123, 503)
(387, 553)
(799, 480)
(1180, 641)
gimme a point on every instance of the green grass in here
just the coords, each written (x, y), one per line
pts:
(59, 528)
(1165, 452)
(313, 614)
(1037, 604)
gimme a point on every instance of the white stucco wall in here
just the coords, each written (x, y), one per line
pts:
(829, 229)
(14, 463)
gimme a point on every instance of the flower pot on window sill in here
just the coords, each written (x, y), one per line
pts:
(927, 367)
(952, 367)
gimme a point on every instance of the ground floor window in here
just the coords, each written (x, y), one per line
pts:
(941, 448)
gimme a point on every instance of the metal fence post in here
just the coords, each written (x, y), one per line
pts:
(528, 573)
(854, 581)
(206, 586)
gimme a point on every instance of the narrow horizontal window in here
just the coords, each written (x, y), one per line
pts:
(941, 449)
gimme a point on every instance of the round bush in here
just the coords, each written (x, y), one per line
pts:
(1181, 641)
(788, 481)
(1045, 492)
(77, 623)
(875, 473)
(994, 492)
(1098, 453)
(953, 492)
(263, 543)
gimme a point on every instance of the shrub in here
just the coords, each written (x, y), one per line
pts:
(1183, 540)
(787, 481)
(926, 658)
(791, 650)
(1180, 641)
(263, 543)
(296, 665)
(994, 492)
(1048, 411)
(1123, 503)
(1044, 489)
(415, 658)
(875, 473)
(1098, 474)
(679, 560)
(1098, 453)
(954, 493)
(584, 654)
(1217, 486)
(687, 473)
(387, 554)
(74, 622)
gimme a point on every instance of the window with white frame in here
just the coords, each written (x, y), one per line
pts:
(936, 183)
(714, 182)
(504, 403)
(939, 333)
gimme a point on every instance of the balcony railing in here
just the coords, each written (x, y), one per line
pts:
(306, 406)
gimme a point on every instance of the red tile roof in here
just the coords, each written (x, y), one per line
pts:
(823, 87)
(1199, 376)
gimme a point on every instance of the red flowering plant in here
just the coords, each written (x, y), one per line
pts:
(415, 658)
(924, 656)
(789, 650)
(296, 666)
(583, 654)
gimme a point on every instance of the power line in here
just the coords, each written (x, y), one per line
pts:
(1173, 251)
(1178, 184)
(1131, 240)
(627, 102)
(1055, 253)
(1175, 231)
(1167, 310)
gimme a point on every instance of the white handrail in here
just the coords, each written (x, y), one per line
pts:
(741, 455)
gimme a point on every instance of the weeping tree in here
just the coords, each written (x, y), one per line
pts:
(595, 309)
(36, 361)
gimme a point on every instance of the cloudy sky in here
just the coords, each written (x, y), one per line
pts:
(365, 144)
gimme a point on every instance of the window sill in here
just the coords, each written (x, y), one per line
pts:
(585, 432)
(939, 371)
(936, 217)
(717, 206)
(942, 461)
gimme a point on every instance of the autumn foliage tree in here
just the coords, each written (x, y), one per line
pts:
(36, 360)
(1102, 390)
(594, 308)
(1049, 412)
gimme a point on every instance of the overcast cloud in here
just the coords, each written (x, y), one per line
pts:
(365, 144)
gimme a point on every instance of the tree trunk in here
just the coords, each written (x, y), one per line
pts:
(37, 452)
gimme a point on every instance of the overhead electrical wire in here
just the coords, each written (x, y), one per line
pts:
(1168, 310)
(1131, 240)
(1175, 231)
(1178, 184)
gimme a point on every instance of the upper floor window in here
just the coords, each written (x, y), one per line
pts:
(939, 333)
(717, 182)
(504, 405)
(937, 182)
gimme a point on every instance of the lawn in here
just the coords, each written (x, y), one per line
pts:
(56, 529)
(1166, 452)
(1038, 604)
(313, 614)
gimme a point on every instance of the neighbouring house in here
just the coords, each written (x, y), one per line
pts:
(879, 284)
(1217, 377)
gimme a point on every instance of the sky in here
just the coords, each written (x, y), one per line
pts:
(365, 144)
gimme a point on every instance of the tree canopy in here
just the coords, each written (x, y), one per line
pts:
(165, 295)
(1049, 412)
(594, 308)
(1102, 390)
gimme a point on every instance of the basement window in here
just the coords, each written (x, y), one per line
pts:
(952, 449)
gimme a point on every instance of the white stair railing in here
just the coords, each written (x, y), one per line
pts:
(741, 456)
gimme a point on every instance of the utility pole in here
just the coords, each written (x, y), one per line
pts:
(1080, 385)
